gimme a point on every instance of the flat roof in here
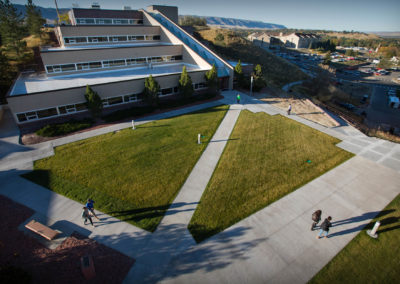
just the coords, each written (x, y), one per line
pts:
(103, 46)
(28, 83)
(104, 13)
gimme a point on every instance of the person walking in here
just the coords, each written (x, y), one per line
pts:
(86, 216)
(90, 206)
(238, 98)
(289, 109)
(325, 227)
(316, 217)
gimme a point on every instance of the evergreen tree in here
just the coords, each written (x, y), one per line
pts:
(259, 81)
(34, 20)
(151, 90)
(6, 76)
(239, 74)
(93, 102)
(11, 30)
(212, 80)
(185, 85)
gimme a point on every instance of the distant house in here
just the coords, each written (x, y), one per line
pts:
(299, 40)
(294, 40)
(263, 39)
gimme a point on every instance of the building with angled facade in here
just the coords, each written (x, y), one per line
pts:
(113, 51)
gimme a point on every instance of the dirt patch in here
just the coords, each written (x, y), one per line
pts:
(301, 106)
(30, 138)
(61, 265)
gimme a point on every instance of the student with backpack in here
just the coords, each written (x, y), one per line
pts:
(325, 227)
(316, 217)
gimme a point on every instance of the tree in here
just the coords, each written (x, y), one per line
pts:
(34, 20)
(239, 74)
(6, 76)
(219, 37)
(151, 90)
(384, 63)
(93, 102)
(185, 85)
(11, 28)
(212, 80)
(259, 81)
(351, 52)
(327, 58)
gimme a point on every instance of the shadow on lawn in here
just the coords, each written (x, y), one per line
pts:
(164, 125)
(357, 219)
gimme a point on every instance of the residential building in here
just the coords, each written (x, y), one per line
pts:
(293, 40)
(113, 51)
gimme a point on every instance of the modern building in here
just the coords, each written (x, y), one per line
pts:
(113, 51)
(264, 40)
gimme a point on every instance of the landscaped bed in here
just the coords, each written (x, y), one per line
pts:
(23, 259)
(367, 260)
(133, 175)
(266, 158)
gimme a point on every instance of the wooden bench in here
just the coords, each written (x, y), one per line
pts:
(42, 230)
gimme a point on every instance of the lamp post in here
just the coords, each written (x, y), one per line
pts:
(251, 86)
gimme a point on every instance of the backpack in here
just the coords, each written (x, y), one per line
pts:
(315, 217)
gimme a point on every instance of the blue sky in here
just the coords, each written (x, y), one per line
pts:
(358, 15)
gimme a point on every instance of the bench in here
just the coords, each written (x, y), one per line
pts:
(42, 230)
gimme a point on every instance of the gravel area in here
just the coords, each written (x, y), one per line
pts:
(61, 265)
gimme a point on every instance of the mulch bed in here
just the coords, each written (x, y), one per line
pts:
(29, 138)
(61, 265)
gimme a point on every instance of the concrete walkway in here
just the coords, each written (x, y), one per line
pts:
(273, 245)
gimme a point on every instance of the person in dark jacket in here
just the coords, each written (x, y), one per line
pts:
(316, 217)
(325, 227)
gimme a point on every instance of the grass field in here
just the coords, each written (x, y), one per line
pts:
(367, 260)
(132, 175)
(265, 159)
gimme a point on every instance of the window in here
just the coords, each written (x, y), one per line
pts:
(175, 89)
(116, 22)
(114, 63)
(117, 38)
(49, 69)
(95, 65)
(47, 112)
(124, 22)
(131, 61)
(68, 67)
(89, 21)
(166, 91)
(72, 108)
(82, 66)
(140, 21)
(21, 117)
(140, 37)
(98, 39)
(141, 60)
(177, 57)
(156, 59)
(100, 21)
(131, 38)
(80, 107)
(156, 37)
(130, 98)
(112, 101)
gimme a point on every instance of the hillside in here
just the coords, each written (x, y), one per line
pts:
(47, 13)
(276, 70)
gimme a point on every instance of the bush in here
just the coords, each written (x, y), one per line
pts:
(126, 113)
(58, 129)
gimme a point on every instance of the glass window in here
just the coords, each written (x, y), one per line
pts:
(62, 110)
(131, 22)
(117, 38)
(131, 38)
(130, 98)
(156, 59)
(82, 66)
(89, 21)
(124, 22)
(21, 117)
(117, 22)
(140, 21)
(47, 112)
(114, 101)
(156, 37)
(166, 91)
(100, 21)
(141, 60)
(94, 65)
(177, 57)
(68, 67)
(70, 108)
(175, 89)
(80, 107)
(49, 69)
(139, 37)
(118, 63)
(69, 40)
(31, 115)
(81, 21)
(131, 61)
(97, 39)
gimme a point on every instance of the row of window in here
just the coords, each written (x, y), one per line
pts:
(73, 108)
(117, 38)
(105, 21)
(59, 68)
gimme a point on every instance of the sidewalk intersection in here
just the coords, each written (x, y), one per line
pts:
(273, 245)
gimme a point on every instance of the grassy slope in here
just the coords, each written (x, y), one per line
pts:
(265, 160)
(367, 260)
(133, 175)
(277, 71)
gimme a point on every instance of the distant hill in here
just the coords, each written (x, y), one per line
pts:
(47, 13)
(240, 24)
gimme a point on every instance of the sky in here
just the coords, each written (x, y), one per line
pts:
(339, 15)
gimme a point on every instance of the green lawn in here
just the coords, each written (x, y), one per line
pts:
(133, 175)
(265, 159)
(367, 260)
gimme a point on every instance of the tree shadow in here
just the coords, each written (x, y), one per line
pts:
(140, 126)
(389, 221)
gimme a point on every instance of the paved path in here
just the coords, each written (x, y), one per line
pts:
(273, 245)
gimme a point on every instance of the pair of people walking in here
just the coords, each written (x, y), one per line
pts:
(324, 228)
(88, 212)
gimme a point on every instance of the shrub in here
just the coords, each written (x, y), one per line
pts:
(126, 113)
(58, 129)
